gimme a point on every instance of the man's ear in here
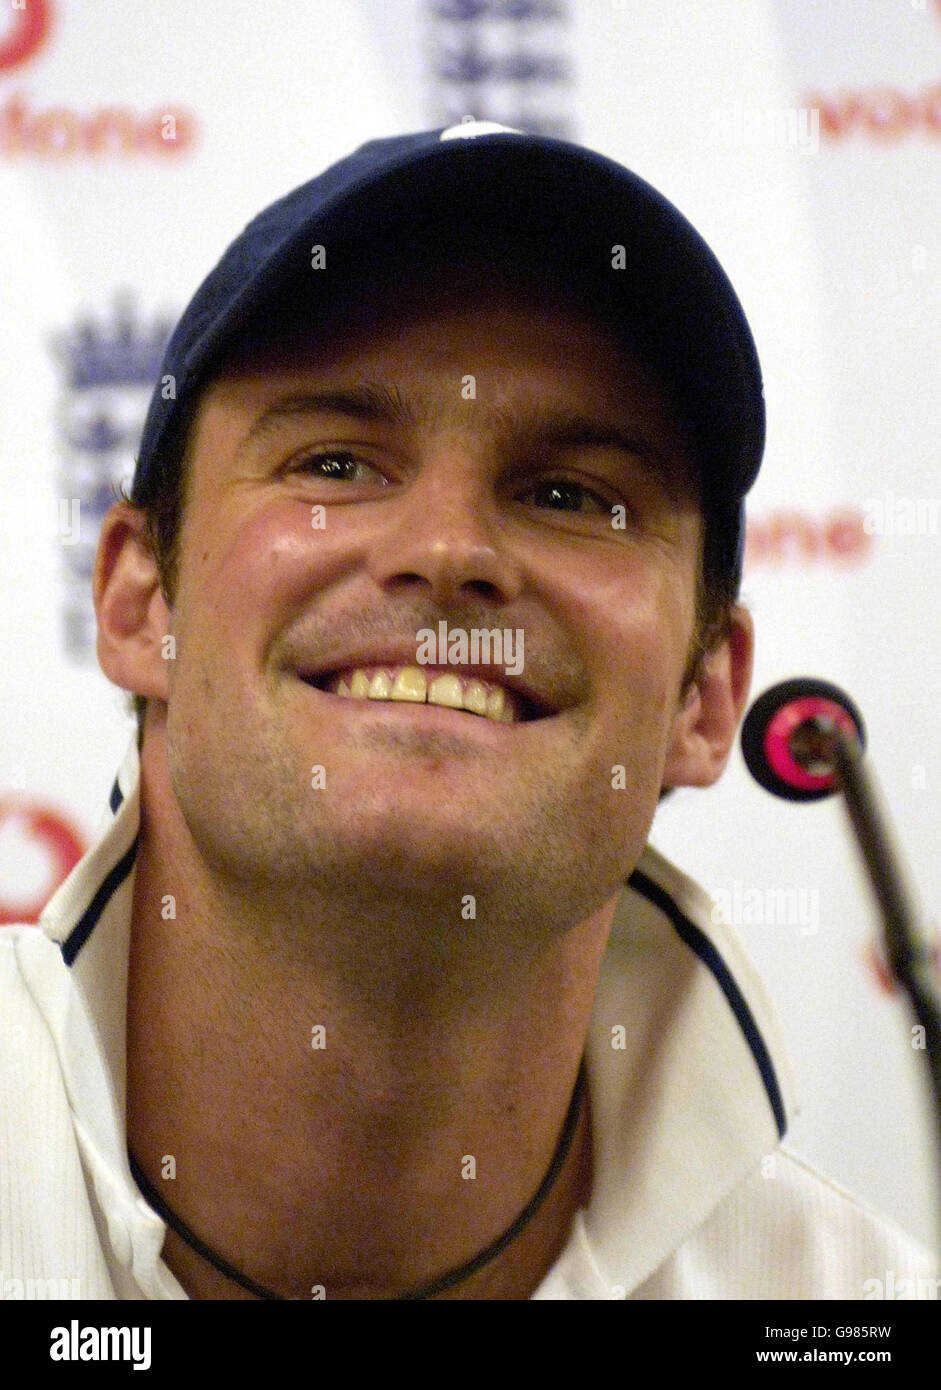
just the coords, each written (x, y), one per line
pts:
(704, 728)
(133, 617)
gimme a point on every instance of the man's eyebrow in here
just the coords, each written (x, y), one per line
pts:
(383, 404)
(363, 402)
(570, 429)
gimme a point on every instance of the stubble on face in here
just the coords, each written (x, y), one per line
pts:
(383, 857)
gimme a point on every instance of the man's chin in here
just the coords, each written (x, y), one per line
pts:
(412, 848)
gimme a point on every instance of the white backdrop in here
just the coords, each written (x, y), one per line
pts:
(802, 137)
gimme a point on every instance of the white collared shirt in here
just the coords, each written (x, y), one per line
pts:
(693, 1195)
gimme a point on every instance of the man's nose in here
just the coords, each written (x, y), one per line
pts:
(445, 530)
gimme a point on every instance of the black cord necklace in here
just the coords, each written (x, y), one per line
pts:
(436, 1286)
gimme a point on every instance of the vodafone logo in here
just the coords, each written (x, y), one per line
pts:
(885, 113)
(790, 536)
(60, 133)
(23, 32)
(38, 849)
(881, 112)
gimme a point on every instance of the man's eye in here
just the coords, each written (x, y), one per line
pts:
(332, 463)
(567, 495)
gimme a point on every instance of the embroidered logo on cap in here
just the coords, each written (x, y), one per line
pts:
(468, 129)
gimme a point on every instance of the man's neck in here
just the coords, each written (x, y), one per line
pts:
(318, 1145)
(514, 1274)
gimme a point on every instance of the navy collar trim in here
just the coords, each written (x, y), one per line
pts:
(698, 942)
(89, 919)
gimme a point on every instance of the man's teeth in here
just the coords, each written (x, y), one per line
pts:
(411, 683)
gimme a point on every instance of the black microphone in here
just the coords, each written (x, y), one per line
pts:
(804, 739)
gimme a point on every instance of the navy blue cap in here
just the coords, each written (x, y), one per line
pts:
(605, 220)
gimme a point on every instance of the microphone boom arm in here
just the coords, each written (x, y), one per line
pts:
(911, 958)
(804, 739)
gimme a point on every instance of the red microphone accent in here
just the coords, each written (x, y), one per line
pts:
(778, 734)
(784, 737)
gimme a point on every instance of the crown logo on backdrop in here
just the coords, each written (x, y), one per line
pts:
(122, 353)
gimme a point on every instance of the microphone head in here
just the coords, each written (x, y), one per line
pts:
(784, 737)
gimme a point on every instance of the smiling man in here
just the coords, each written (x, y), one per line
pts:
(372, 988)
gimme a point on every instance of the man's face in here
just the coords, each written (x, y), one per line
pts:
(485, 502)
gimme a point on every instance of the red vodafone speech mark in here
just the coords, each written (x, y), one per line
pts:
(60, 839)
(30, 27)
